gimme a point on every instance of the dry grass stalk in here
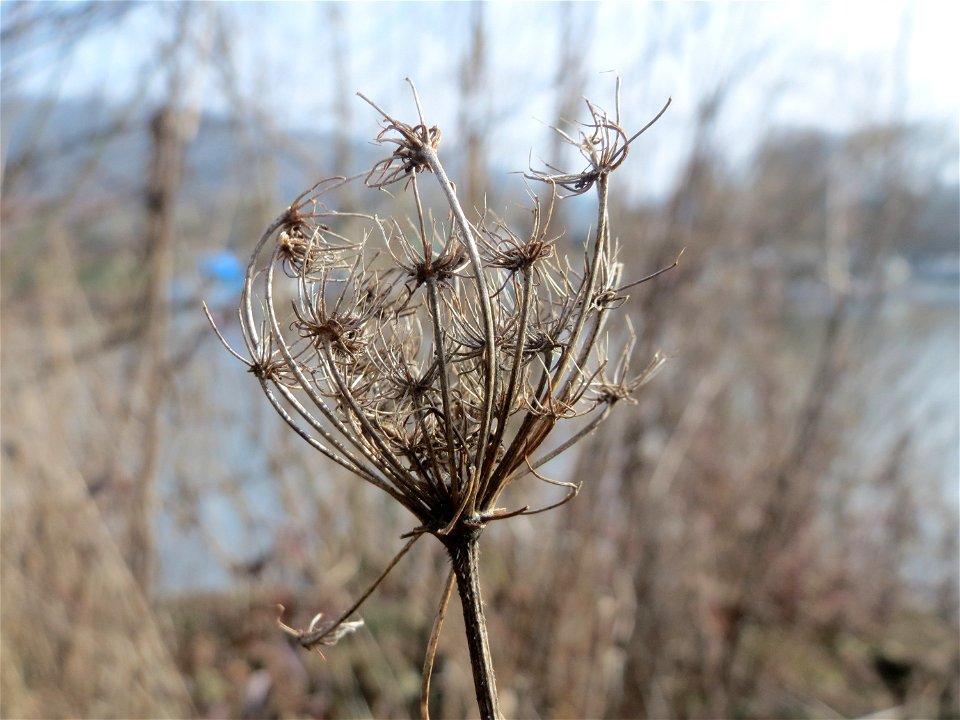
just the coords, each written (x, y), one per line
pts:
(433, 356)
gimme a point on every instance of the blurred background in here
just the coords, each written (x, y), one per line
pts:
(771, 531)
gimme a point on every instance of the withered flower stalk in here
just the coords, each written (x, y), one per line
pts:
(433, 356)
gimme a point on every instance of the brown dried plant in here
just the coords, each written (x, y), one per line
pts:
(432, 357)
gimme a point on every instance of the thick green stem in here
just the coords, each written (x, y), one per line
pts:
(464, 553)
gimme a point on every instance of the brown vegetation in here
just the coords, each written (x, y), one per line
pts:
(757, 536)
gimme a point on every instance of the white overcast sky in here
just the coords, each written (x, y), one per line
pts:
(833, 65)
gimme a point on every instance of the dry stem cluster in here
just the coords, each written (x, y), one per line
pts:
(433, 355)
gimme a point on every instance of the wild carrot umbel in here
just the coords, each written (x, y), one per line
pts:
(432, 356)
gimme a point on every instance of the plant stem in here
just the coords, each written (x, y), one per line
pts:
(464, 551)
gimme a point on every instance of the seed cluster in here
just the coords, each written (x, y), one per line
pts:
(433, 356)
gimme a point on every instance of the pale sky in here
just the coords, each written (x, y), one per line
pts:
(832, 65)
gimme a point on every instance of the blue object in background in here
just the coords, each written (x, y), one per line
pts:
(222, 267)
(221, 274)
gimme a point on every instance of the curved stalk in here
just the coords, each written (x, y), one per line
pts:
(490, 381)
(444, 383)
(599, 253)
(526, 297)
(391, 469)
(432, 647)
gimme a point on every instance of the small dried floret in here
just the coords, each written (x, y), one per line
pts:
(603, 143)
(300, 255)
(344, 333)
(538, 342)
(273, 369)
(443, 268)
(516, 257)
(608, 300)
(408, 157)
(612, 392)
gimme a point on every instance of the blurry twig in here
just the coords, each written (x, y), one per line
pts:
(432, 646)
(329, 634)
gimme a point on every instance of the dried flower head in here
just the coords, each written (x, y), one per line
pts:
(433, 357)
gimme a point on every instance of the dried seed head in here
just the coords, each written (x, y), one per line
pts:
(521, 257)
(433, 357)
(301, 255)
(344, 334)
(442, 268)
(408, 157)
